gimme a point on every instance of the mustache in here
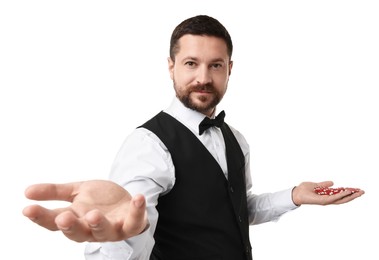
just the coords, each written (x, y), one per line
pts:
(202, 87)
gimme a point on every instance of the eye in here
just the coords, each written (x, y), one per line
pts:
(216, 66)
(190, 63)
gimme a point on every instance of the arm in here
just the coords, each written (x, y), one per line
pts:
(271, 206)
(142, 166)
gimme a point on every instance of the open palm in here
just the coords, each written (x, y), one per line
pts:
(100, 210)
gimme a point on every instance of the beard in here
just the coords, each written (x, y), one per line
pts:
(202, 104)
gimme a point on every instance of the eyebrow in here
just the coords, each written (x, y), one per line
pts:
(196, 59)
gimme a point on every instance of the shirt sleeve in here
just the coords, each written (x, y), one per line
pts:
(143, 165)
(264, 207)
(268, 207)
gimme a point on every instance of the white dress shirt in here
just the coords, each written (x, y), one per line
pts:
(143, 165)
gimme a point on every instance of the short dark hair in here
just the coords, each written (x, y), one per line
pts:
(200, 25)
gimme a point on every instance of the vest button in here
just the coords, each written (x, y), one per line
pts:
(231, 189)
(239, 218)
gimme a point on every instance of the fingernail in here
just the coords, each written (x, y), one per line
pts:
(64, 229)
(93, 225)
(138, 203)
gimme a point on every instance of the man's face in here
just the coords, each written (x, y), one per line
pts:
(200, 72)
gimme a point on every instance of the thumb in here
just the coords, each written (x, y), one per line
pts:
(136, 221)
(138, 202)
(325, 184)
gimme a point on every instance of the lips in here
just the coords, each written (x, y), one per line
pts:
(203, 91)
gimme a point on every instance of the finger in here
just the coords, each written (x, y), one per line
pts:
(325, 184)
(42, 216)
(136, 220)
(133, 223)
(337, 198)
(49, 191)
(348, 196)
(102, 229)
(73, 227)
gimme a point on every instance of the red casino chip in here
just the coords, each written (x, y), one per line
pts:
(332, 191)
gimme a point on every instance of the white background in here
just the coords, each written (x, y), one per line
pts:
(77, 77)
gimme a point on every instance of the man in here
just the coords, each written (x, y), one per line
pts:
(180, 184)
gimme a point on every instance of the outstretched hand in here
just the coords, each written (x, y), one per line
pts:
(100, 210)
(305, 194)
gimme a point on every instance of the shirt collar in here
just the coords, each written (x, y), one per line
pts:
(185, 115)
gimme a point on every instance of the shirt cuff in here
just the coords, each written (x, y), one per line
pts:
(132, 248)
(282, 201)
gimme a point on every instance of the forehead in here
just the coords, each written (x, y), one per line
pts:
(202, 45)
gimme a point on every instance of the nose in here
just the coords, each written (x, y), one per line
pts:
(203, 76)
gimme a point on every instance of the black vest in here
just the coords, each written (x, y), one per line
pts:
(205, 215)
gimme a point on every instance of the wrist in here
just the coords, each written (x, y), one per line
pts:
(294, 197)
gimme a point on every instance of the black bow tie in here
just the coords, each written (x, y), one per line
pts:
(207, 122)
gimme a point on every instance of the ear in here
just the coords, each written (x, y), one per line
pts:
(230, 67)
(171, 65)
